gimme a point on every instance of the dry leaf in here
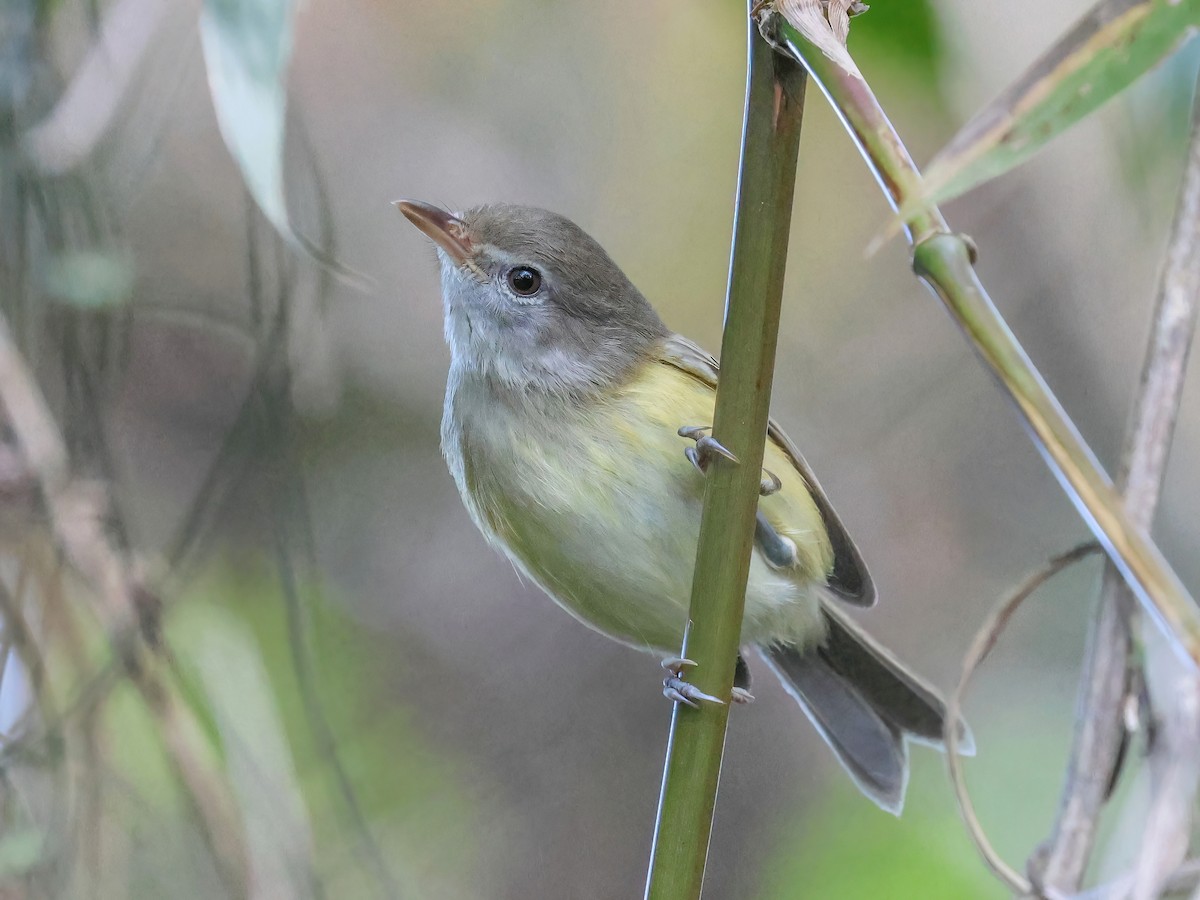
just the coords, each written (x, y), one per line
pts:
(811, 19)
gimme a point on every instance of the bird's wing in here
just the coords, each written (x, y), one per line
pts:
(849, 579)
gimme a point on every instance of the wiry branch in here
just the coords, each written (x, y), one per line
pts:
(124, 605)
(85, 111)
(1184, 879)
(985, 640)
(1099, 730)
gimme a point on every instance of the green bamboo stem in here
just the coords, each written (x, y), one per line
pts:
(770, 142)
(944, 261)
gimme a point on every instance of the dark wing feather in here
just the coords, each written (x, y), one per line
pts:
(850, 579)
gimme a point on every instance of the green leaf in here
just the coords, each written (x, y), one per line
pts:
(1152, 136)
(247, 45)
(258, 757)
(905, 33)
(1117, 42)
(89, 279)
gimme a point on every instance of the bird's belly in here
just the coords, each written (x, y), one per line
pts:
(602, 510)
(602, 526)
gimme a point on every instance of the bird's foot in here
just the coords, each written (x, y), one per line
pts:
(677, 690)
(708, 446)
(741, 695)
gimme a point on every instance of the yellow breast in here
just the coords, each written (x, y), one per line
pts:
(597, 503)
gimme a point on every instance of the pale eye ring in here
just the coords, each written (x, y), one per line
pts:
(524, 281)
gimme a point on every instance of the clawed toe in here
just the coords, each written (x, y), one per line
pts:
(710, 446)
(706, 447)
(680, 691)
(769, 484)
(741, 695)
(676, 664)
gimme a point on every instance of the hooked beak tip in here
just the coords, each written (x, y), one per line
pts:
(446, 230)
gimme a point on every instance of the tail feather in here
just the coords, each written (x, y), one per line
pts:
(866, 704)
(902, 697)
(871, 749)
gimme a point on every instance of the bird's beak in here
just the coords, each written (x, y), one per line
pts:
(447, 231)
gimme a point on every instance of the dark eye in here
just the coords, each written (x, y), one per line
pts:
(524, 281)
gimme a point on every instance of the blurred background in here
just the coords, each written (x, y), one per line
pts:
(399, 714)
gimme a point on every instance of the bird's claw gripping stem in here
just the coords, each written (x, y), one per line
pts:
(677, 690)
(708, 446)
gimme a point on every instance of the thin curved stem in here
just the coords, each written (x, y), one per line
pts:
(985, 640)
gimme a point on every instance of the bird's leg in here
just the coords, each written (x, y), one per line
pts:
(741, 682)
(678, 690)
(708, 446)
(777, 550)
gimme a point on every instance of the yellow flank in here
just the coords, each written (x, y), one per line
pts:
(598, 504)
(791, 510)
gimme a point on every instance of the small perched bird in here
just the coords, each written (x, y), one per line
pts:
(574, 425)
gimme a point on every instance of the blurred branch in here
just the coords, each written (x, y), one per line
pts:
(1098, 743)
(19, 636)
(766, 181)
(1174, 765)
(123, 605)
(944, 261)
(81, 117)
(204, 785)
(1100, 732)
(985, 640)
(1182, 881)
(243, 441)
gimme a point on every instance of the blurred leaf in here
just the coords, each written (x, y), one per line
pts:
(904, 32)
(247, 45)
(1112, 46)
(1152, 136)
(89, 279)
(20, 851)
(257, 756)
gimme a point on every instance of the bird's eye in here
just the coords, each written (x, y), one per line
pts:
(524, 281)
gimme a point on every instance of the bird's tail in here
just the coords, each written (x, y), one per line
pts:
(865, 703)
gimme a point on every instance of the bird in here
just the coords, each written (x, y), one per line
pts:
(577, 428)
